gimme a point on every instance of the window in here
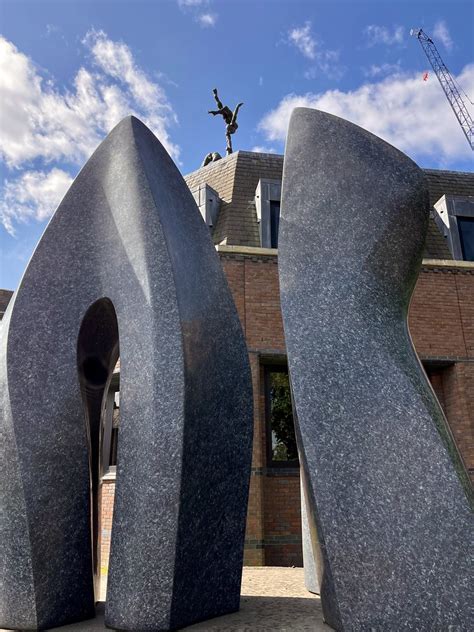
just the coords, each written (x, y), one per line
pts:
(280, 429)
(274, 223)
(115, 429)
(267, 205)
(466, 237)
(454, 216)
(208, 202)
(110, 429)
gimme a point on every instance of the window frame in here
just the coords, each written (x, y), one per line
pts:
(107, 470)
(267, 191)
(447, 210)
(276, 366)
(460, 219)
(274, 222)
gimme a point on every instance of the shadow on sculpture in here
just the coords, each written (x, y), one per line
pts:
(386, 491)
(126, 254)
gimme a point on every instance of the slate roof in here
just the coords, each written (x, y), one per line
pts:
(235, 179)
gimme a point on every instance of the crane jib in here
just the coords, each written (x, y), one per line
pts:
(448, 84)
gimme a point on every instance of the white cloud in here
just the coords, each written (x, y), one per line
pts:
(33, 195)
(207, 19)
(303, 40)
(325, 61)
(411, 114)
(40, 121)
(191, 3)
(52, 28)
(382, 70)
(442, 34)
(42, 124)
(382, 35)
(198, 9)
(262, 149)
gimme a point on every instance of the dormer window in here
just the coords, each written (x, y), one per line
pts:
(274, 223)
(454, 216)
(208, 203)
(267, 204)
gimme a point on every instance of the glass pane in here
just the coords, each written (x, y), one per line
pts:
(466, 234)
(281, 418)
(274, 223)
(115, 430)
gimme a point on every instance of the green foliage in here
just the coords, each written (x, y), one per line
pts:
(283, 429)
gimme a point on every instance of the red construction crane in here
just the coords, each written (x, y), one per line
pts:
(448, 84)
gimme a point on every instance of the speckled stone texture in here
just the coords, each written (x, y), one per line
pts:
(127, 240)
(388, 495)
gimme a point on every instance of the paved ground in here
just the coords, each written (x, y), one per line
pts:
(273, 600)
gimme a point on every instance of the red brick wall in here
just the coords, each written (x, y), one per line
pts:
(441, 323)
(458, 391)
(439, 315)
(282, 521)
(263, 321)
(273, 535)
(254, 552)
(106, 502)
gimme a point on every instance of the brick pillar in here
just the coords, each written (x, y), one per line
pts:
(254, 552)
(106, 504)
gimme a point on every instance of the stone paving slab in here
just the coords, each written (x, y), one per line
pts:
(274, 599)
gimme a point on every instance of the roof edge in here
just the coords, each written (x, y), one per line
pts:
(273, 252)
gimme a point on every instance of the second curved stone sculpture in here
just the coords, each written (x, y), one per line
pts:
(387, 493)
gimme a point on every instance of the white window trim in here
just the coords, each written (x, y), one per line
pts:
(208, 203)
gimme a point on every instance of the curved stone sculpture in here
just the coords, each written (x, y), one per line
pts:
(386, 488)
(126, 260)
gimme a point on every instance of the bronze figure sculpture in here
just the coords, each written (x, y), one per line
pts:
(212, 156)
(229, 117)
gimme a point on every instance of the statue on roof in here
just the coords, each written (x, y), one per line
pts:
(230, 119)
(212, 156)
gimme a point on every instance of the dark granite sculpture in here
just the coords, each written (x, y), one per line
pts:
(126, 256)
(386, 488)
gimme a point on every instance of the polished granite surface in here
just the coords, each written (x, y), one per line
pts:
(388, 496)
(125, 261)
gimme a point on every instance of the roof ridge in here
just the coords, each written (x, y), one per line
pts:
(458, 173)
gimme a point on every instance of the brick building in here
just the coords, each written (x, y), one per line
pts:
(239, 198)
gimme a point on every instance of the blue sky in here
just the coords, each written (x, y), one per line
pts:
(70, 70)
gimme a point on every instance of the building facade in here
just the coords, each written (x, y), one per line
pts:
(239, 199)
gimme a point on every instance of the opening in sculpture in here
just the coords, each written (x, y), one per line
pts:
(97, 355)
